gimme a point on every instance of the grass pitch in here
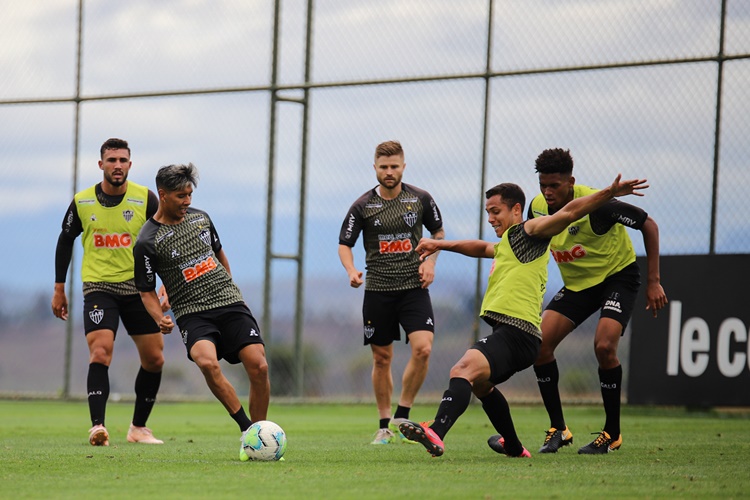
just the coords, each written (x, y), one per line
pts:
(44, 453)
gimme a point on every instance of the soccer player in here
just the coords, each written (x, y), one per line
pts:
(512, 305)
(109, 215)
(390, 216)
(597, 263)
(181, 245)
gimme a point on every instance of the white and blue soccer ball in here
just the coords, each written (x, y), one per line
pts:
(264, 440)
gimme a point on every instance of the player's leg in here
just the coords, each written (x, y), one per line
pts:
(471, 367)
(253, 358)
(382, 385)
(381, 329)
(617, 301)
(101, 344)
(203, 353)
(508, 351)
(416, 368)
(100, 322)
(417, 318)
(151, 351)
(150, 344)
(555, 327)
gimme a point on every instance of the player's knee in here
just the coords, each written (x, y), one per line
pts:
(381, 360)
(422, 353)
(208, 366)
(605, 350)
(258, 370)
(100, 355)
(153, 362)
(460, 370)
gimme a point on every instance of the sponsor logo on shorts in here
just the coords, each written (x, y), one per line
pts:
(429, 322)
(483, 340)
(558, 296)
(184, 334)
(369, 331)
(97, 315)
(612, 305)
(253, 333)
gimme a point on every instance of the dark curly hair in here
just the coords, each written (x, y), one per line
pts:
(554, 161)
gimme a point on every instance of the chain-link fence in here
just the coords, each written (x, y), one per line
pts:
(281, 105)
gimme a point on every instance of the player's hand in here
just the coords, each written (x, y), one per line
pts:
(655, 298)
(355, 279)
(426, 247)
(166, 325)
(427, 272)
(60, 304)
(623, 188)
(163, 299)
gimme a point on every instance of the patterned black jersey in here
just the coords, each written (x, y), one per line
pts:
(391, 230)
(184, 257)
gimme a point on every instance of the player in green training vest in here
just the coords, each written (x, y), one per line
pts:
(597, 263)
(512, 305)
(109, 215)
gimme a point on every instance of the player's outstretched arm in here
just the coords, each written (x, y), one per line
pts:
(470, 248)
(547, 227)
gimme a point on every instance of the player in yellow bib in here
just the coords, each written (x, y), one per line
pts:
(512, 305)
(597, 262)
(108, 216)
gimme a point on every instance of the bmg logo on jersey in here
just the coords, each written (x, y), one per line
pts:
(396, 246)
(577, 252)
(198, 270)
(113, 240)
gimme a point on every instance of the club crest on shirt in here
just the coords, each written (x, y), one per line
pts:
(410, 218)
(573, 230)
(205, 236)
(97, 315)
(128, 215)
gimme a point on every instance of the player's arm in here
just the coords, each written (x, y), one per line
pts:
(145, 262)
(470, 248)
(153, 305)
(547, 227)
(347, 260)
(71, 228)
(656, 298)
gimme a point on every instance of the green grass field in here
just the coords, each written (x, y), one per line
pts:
(44, 453)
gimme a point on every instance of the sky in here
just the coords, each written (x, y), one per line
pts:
(653, 121)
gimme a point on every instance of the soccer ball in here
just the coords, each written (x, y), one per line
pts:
(264, 440)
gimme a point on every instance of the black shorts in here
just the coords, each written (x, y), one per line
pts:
(103, 311)
(614, 297)
(509, 350)
(383, 312)
(230, 328)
